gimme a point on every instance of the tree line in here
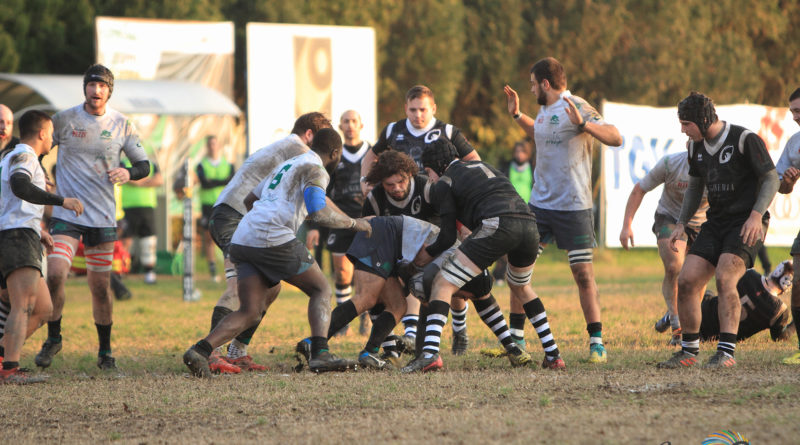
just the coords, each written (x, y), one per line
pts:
(650, 52)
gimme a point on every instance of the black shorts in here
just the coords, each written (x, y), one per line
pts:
(379, 253)
(514, 235)
(206, 216)
(273, 263)
(664, 225)
(21, 248)
(718, 237)
(91, 236)
(570, 229)
(339, 240)
(222, 224)
(140, 222)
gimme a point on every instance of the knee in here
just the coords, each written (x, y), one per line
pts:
(584, 278)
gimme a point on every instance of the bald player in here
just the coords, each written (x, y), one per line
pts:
(7, 141)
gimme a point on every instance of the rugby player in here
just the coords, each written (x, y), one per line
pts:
(672, 171)
(483, 200)
(345, 192)
(762, 308)
(23, 196)
(265, 250)
(733, 165)
(411, 136)
(788, 169)
(90, 138)
(561, 197)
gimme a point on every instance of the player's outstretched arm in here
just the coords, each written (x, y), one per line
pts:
(24, 189)
(634, 201)
(512, 101)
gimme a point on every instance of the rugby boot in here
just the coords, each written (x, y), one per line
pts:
(460, 342)
(196, 363)
(421, 364)
(517, 356)
(245, 363)
(49, 350)
(327, 362)
(597, 353)
(680, 359)
(663, 323)
(494, 352)
(554, 363)
(371, 361)
(106, 362)
(219, 365)
(392, 358)
(719, 360)
(17, 376)
(793, 359)
(303, 350)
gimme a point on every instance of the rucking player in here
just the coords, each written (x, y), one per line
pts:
(265, 250)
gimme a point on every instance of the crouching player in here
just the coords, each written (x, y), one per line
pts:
(22, 201)
(265, 250)
(483, 200)
(762, 307)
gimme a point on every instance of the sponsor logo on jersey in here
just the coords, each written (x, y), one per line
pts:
(79, 133)
(725, 154)
(554, 120)
(331, 239)
(432, 135)
(105, 135)
(699, 157)
(399, 137)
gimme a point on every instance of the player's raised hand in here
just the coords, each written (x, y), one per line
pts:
(572, 111)
(512, 100)
(73, 204)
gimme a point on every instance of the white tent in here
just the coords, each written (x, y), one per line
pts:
(22, 92)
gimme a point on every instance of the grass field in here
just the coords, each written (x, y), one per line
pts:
(473, 400)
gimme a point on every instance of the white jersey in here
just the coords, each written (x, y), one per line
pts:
(16, 213)
(280, 209)
(256, 167)
(563, 174)
(88, 147)
(673, 171)
(790, 156)
(416, 234)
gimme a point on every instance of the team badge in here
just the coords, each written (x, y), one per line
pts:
(432, 135)
(331, 238)
(416, 205)
(725, 154)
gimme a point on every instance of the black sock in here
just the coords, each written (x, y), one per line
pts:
(690, 342)
(318, 345)
(2, 351)
(437, 317)
(217, 315)
(341, 316)
(248, 333)
(381, 328)
(203, 347)
(492, 316)
(212, 268)
(410, 323)
(419, 342)
(10, 365)
(796, 321)
(517, 327)
(54, 330)
(104, 336)
(535, 312)
(727, 343)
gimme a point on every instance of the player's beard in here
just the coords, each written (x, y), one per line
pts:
(541, 98)
(404, 196)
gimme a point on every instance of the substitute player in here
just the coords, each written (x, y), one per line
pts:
(265, 250)
(23, 196)
(214, 172)
(561, 197)
(90, 138)
(672, 171)
(733, 165)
